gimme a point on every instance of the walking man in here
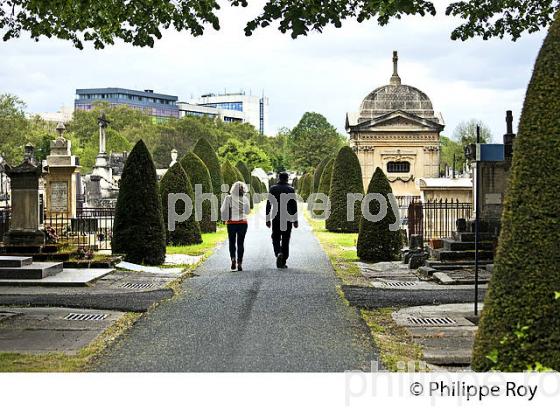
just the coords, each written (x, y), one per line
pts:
(281, 215)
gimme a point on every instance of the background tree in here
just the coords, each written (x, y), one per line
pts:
(102, 23)
(311, 140)
(138, 230)
(277, 150)
(246, 151)
(198, 174)
(376, 242)
(346, 178)
(207, 154)
(448, 149)
(465, 132)
(520, 322)
(176, 181)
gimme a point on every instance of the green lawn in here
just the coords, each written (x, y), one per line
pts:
(209, 242)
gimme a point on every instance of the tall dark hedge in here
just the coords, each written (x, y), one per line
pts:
(346, 178)
(527, 265)
(198, 174)
(138, 230)
(176, 181)
(376, 242)
(324, 182)
(318, 172)
(256, 185)
(207, 154)
(304, 186)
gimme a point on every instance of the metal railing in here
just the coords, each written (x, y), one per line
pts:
(437, 219)
(91, 228)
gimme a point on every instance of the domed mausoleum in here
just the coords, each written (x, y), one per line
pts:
(397, 130)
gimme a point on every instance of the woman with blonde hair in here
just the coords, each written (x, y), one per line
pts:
(234, 211)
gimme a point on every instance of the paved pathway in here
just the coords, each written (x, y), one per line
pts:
(262, 319)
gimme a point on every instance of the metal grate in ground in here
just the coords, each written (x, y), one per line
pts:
(398, 284)
(431, 321)
(137, 285)
(85, 316)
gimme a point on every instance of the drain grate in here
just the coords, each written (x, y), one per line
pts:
(137, 285)
(85, 316)
(398, 284)
(432, 321)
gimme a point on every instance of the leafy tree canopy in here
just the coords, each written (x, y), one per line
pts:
(311, 140)
(465, 132)
(141, 22)
(247, 151)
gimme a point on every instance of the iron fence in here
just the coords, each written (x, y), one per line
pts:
(436, 219)
(91, 228)
(404, 201)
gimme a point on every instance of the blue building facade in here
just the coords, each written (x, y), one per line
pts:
(159, 106)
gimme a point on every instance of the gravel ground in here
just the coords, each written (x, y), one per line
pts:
(259, 320)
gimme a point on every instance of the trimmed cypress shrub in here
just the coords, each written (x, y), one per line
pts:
(304, 186)
(230, 174)
(207, 154)
(138, 230)
(256, 185)
(176, 181)
(376, 242)
(520, 322)
(318, 172)
(198, 174)
(295, 182)
(325, 182)
(241, 167)
(346, 178)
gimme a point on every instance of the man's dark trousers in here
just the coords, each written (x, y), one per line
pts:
(281, 238)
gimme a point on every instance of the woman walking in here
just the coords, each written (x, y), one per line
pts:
(235, 210)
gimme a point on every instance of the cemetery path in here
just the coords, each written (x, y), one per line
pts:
(260, 320)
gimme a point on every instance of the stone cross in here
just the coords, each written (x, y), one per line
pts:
(395, 79)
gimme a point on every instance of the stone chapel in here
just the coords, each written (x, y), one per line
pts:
(397, 130)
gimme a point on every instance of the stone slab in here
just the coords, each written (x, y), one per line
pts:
(68, 277)
(182, 259)
(37, 270)
(15, 261)
(443, 278)
(44, 330)
(148, 269)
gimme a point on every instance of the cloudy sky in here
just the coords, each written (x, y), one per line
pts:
(329, 73)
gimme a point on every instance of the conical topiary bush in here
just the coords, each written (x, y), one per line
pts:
(207, 154)
(376, 241)
(176, 181)
(244, 170)
(317, 174)
(520, 324)
(324, 185)
(242, 167)
(198, 175)
(305, 186)
(138, 230)
(230, 174)
(346, 179)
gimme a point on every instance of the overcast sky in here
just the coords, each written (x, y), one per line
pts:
(329, 73)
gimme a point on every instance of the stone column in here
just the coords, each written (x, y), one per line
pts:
(25, 222)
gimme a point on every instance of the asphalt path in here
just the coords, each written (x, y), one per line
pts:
(260, 320)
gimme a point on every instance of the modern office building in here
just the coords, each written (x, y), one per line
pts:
(230, 107)
(159, 106)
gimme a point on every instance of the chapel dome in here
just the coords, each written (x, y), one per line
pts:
(396, 96)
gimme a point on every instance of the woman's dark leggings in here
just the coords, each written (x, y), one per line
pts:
(236, 235)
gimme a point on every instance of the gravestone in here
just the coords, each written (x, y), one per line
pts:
(62, 178)
(25, 223)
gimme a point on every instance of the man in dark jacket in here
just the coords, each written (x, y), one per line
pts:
(281, 215)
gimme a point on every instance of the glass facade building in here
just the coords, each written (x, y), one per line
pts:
(159, 106)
